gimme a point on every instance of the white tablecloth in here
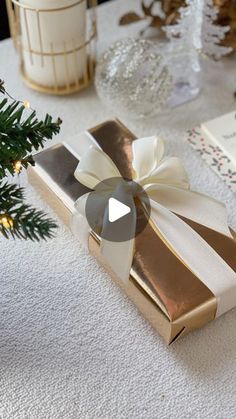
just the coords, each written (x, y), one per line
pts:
(71, 344)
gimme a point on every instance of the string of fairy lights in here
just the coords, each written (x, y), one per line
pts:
(6, 220)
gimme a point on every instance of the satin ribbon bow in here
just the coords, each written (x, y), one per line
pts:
(166, 183)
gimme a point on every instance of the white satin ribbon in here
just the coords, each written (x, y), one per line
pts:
(166, 184)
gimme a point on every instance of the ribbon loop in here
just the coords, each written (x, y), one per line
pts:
(94, 167)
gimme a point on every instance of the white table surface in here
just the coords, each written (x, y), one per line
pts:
(71, 344)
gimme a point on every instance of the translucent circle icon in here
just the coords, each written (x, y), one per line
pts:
(118, 210)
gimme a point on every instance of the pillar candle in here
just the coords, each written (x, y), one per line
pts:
(50, 32)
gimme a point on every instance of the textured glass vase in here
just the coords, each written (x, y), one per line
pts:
(185, 70)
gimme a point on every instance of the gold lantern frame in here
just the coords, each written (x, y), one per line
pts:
(13, 9)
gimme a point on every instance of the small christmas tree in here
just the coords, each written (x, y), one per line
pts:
(196, 30)
(213, 34)
(20, 136)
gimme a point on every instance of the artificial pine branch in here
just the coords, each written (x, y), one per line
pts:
(20, 220)
(19, 137)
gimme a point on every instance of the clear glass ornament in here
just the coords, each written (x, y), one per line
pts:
(132, 78)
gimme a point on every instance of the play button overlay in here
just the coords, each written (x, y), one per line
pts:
(117, 210)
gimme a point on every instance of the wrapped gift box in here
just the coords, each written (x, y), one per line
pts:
(161, 285)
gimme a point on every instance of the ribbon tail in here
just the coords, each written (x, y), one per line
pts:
(196, 253)
(119, 255)
(79, 224)
(195, 206)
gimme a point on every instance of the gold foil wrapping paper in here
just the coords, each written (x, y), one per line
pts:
(169, 295)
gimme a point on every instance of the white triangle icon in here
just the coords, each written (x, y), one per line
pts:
(116, 210)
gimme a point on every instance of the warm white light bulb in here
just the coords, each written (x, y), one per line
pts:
(17, 166)
(7, 222)
(26, 104)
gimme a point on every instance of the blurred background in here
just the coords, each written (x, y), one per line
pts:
(4, 27)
